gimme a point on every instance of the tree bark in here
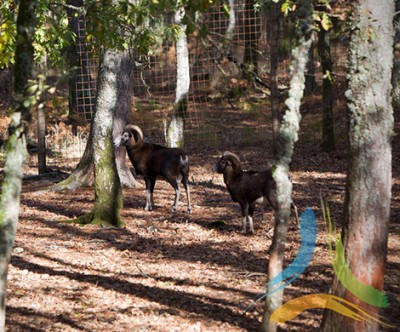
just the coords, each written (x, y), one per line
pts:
(310, 83)
(25, 97)
(274, 34)
(396, 61)
(328, 129)
(288, 135)
(368, 190)
(108, 196)
(123, 116)
(41, 127)
(232, 23)
(175, 131)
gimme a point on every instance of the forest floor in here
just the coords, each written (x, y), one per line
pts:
(169, 271)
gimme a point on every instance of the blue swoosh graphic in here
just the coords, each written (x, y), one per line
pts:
(308, 235)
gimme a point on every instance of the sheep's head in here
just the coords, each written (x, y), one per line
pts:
(228, 161)
(132, 136)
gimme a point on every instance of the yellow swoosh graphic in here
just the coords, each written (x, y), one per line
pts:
(292, 308)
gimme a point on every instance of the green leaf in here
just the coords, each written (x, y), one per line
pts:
(326, 22)
(226, 9)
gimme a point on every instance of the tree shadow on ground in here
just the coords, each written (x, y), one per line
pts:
(204, 306)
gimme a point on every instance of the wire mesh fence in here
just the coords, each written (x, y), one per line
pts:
(231, 57)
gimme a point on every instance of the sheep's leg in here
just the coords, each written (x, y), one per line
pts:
(250, 216)
(153, 183)
(186, 186)
(177, 194)
(149, 194)
(148, 206)
(244, 224)
(175, 184)
(245, 213)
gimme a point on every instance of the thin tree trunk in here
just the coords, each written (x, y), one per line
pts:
(25, 95)
(232, 23)
(288, 135)
(73, 64)
(328, 129)
(368, 191)
(175, 131)
(41, 128)
(310, 83)
(274, 34)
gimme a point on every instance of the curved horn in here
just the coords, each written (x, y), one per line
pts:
(137, 130)
(233, 157)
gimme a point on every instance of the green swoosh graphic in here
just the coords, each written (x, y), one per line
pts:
(292, 308)
(364, 292)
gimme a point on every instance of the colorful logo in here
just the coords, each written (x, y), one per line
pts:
(290, 309)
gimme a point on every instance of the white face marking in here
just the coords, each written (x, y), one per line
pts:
(118, 141)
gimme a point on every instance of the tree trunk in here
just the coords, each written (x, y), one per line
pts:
(328, 129)
(41, 127)
(288, 135)
(274, 34)
(123, 116)
(310, 83)
(73, 64)
(368, 191)
(232, 23)
(175, 131)
(25, 96)
(108, 196)
(396, 61)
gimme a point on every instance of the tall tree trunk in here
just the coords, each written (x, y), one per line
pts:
(73, 63)
(25, 96)
(175, 131)
(310, 83)
(328, 129)
(274, 34)
(232, 23)
(108, 196)
(107, 184)
(41, 126)
(123, 116)
(396, 61)
(368, 191)
(288, 135)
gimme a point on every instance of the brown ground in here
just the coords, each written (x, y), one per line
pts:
(173, 272)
